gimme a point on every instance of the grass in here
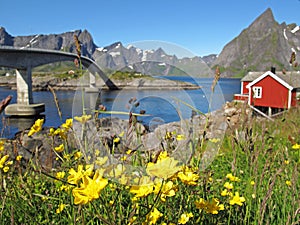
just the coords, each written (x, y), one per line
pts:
(259, 155)
(119, 75)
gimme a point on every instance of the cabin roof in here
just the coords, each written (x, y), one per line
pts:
(291, 78)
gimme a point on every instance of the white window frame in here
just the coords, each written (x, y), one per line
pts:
(257, 92)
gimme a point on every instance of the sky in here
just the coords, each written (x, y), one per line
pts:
(194, 27)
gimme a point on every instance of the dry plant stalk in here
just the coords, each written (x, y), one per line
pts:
(216, 79)
(56, 101)
(78, 46)
(268, 195)
(5, 102)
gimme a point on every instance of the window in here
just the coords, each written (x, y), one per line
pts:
(257, 92)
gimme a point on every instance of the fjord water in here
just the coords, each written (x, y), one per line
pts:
(162, 106)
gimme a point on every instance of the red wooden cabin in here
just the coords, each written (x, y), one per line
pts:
(270, 92)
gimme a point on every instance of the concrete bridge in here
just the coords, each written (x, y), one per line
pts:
(25, 59)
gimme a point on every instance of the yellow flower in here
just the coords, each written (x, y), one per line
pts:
(100, 161)
(59, 148)
(214, 207)
(237, 200)
(232, 178)
(228, 185)
(128, 151)
(123, 179)
(5, 169)
(65, 187)
(51, 131)
(144, 187)
(89, 170)
(121, 134)
(60, 175)
(36, 127)
(67, 157)
(165, 167)
(77, 155)
(252, 182)
(131, 220)
(60, 208)
(168, 135)
(68, 124)
(180, 137)
(89, 189)
(74, 176)
(296, 146)
(286, 162)
(61, 132)
(185, 217)
(19, 157)
(188, 177)
(3, 160)
(200, 204)
(288, 183)
(1, 145)
(116, 140)
(83, 119)
(225, 192)
(153, 217)
(167, 189)
(214, 140)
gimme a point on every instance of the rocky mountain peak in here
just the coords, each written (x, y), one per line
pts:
(264, 44)
(265, 23)
(5, 38)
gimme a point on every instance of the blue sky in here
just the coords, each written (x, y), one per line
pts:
(200, 27)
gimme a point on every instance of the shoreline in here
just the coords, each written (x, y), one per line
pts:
(66, 84)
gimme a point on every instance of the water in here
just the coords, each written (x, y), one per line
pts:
(163, 106)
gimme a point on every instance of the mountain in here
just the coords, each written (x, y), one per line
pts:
(151, 62)
(64, 41)
(113, 57)
(263, 44)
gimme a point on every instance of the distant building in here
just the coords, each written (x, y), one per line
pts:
(270, 92)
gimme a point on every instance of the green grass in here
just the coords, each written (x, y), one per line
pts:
(119, 75)
(259, 153)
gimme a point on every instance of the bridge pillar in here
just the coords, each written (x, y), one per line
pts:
(24, 106)
(24, 86)
(92, 84)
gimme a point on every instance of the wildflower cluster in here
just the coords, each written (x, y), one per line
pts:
(5, 161)
(36, 127)
(234, 199)
(88, 184)
(128, 186)
(62, 131)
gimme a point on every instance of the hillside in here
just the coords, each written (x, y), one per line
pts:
(263, 44)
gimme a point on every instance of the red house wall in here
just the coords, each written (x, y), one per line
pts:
(274, 94)
(244, 89)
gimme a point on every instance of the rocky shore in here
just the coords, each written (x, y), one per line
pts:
(102, 132)
(41, 83)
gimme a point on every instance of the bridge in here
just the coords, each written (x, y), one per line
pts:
(25, 59)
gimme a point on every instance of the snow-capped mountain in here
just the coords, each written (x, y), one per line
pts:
(152, 62)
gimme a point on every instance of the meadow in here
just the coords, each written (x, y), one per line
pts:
(252, 180)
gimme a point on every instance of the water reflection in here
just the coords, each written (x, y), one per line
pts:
(10, 124)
